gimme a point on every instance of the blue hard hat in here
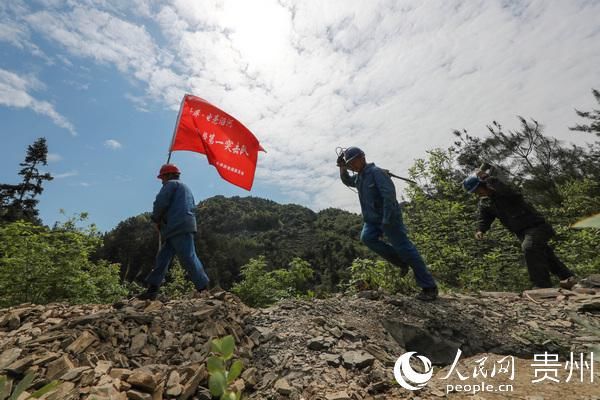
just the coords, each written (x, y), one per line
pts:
(471, 183)
(351, 153)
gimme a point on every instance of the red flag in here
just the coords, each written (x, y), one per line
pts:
(229, 146)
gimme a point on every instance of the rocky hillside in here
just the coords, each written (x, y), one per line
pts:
(343, 347)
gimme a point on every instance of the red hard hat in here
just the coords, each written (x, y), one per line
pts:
(168, 169)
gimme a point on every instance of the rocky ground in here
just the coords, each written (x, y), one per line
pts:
(339, 348)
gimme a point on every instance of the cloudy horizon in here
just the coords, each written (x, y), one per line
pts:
(392, 77)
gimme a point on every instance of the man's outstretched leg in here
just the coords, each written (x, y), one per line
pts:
(371, 237)
(396, 234)
(401, 248)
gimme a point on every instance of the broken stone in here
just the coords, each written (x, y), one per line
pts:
(591, 306)
(501, 295)
(542, 294)
(12, 321)
(190, 387)
(74, 373)
(250, 376)
(137, 395)
(357, 359)
(439, 350)
(142, 380)
(21, 365)
(378, 387)
(592, 281)
(102, 367)
(81, 343)
(320, 343)
(174, 390)
(331, 359)
(9, 356)
(338, 396)
(283, 387)
(120, 373)
(138, 342)
(266, 334)
(369, 294)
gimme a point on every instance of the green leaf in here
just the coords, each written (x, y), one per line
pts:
(22, 386)
(235, 371)
(229, 396)
(215, 364)
(216, 346)
(217, 384)
(46, 389)
(228, 345)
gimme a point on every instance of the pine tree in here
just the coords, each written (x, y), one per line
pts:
(593, 116)
(19, 201)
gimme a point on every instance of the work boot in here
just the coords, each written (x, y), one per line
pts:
(200, 293)
(150, 294)
(569, 282)
(428, 294)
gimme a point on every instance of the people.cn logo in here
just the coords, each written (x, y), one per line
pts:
(407, 377)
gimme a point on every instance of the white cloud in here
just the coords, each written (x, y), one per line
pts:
(394, 77)
(53, 157)
(140, 103)
(66, 175)
(14, 92)
(15, 32)
(113, 144)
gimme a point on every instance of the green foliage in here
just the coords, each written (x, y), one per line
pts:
(41, 265)
(260, 288)
(6, 389)
(561, 182)
(177, 285)
(223, 370)
(379, 274)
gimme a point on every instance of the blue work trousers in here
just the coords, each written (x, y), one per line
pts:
(399, 248)
(183, 246)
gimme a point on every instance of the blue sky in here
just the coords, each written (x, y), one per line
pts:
(102, 81)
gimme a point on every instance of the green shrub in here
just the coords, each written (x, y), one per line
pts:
(178, 285)
(377, 274)
(260, 288)
(42, 265)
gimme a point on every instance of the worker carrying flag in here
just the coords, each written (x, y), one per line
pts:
(232, 149)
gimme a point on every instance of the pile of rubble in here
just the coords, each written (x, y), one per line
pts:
(345, 348)
(339, 348)
(143, 350)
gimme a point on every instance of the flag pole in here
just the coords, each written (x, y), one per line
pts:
(175, 128)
